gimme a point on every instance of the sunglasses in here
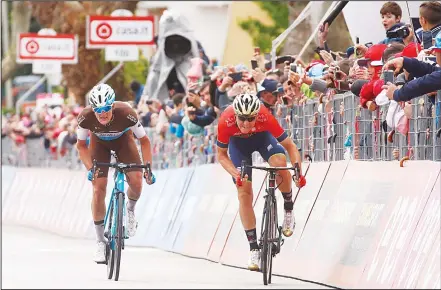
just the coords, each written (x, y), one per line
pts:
(245, 118)
(104, 109)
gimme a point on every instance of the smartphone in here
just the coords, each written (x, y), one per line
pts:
(388, 76)
(267, 56)
(293, 67)
(257, 50)
(357, 40)
(253, 64)
(236, 76)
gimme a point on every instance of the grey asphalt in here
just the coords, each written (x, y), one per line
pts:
(37, 259)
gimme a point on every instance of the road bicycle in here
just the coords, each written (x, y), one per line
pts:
(271, 239)
(115, 221)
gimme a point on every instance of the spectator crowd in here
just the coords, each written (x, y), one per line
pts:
(384, 75)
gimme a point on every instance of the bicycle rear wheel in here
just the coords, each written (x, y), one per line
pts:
(119, 238)
(267, 249)
(110, 253)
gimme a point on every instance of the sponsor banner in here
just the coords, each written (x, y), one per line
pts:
(410, 188)
(312, 244)
(8, 175)
(422, 247)
(302, 210)
(208, 196)
(235, 249)
(430, 277)
(162, 209)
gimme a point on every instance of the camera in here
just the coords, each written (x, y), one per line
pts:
(388, 76)
(400, 32)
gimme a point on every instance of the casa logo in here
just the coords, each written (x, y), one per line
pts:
(132, 118)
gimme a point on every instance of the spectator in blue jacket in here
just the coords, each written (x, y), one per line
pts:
(428, 78)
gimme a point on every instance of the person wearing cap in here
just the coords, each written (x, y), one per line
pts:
(265, 92)
(373, 57)
(428, 77)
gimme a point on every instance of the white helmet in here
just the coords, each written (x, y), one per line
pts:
(101, 95)
(246, 104)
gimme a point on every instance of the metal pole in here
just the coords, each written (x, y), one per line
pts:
(334, 3)
(5, 41)
(276, 42)
(27, 94)
(106, 78)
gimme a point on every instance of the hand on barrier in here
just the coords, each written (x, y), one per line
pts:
(151, 180)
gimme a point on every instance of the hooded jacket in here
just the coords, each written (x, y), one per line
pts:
(170, 24)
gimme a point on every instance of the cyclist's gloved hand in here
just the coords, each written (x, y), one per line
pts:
(152, 180)
(90, 174)
(239, 181)
(301, 182)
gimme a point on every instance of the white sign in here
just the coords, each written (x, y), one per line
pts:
(63, 48)
(46, 67)
(122, 53)
(102, 31)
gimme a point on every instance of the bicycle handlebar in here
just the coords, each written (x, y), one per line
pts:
(296, 169)
(120, 166)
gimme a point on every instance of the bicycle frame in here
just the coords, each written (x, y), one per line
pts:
(116, 194)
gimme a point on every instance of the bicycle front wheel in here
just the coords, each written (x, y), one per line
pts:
(119, 239)
(110, 251)
(267, 248)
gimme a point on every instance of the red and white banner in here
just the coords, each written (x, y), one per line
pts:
(102, 31)
(60, 47)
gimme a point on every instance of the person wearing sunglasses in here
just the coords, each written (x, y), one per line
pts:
(112, 125)
(244, 127)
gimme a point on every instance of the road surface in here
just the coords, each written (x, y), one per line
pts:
(37, 259)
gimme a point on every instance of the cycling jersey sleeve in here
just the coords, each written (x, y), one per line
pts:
(275, 129)
(82, 133)
(138, 130)
(222, 137)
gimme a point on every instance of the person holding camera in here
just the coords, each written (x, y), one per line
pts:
(391, 14)
(428, 77)
(430, 20)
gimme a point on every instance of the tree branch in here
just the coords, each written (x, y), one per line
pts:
(21, 19)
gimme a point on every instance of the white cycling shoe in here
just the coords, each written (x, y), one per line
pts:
(288, 224)
(254, 260)
(132, 224)
(100, 254)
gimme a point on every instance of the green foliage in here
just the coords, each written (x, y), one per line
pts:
(136, 70)
(262, 34)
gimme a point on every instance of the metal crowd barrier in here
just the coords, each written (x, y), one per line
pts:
(342, 131)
